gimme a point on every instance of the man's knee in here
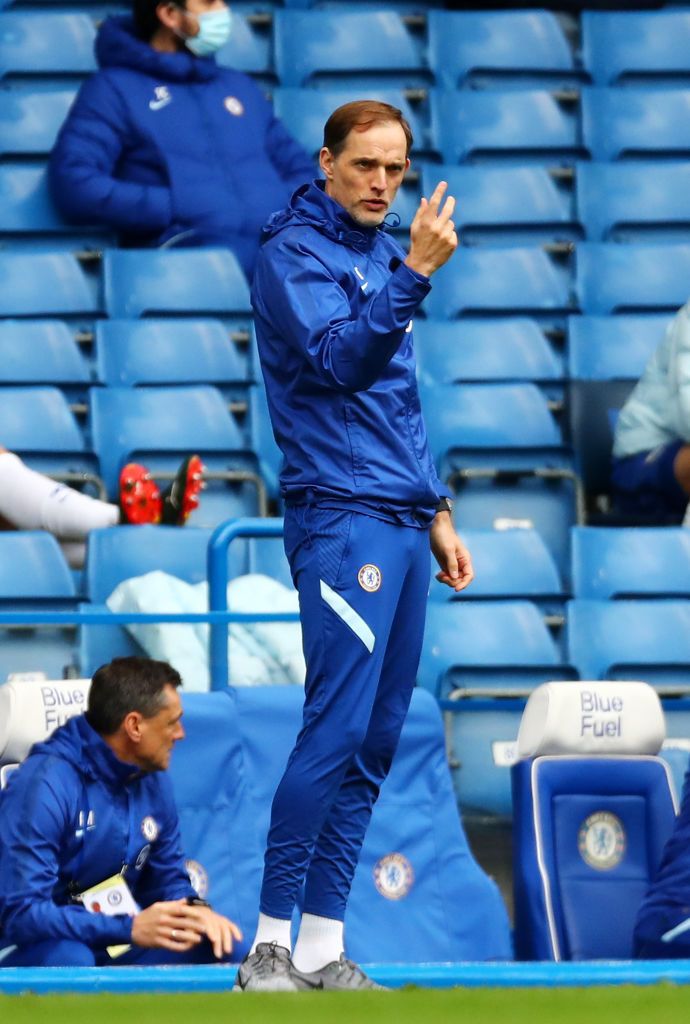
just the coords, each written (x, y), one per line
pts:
(52, 953)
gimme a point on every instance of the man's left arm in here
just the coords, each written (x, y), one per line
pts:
(451, 554)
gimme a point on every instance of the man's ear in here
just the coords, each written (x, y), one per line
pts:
(169, 14)
(131, 724)
(326, 162)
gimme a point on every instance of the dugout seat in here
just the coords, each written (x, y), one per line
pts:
(30, 118)
(631, 278)
(41, 352)
(249, 48)
(28, 216)
(635, 123)
(650, 47)
(47, 44)
(45, 284)
(592, 808)
(628, 563)
(625, 201)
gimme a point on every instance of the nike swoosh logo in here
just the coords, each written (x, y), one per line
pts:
(157, 104)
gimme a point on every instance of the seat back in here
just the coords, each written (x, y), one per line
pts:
(652, 46)
(33, 568)
(40, 43)
(40, 352)
(30, 118)
(611, 562)
(635, 122)
(592, 808)
(44, 284)
(479, 46)
(612, 278)
(633, 201)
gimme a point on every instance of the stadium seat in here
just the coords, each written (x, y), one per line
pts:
(635, 122)
(27, 211)
(628, 563)
(40, 352)
(304, 112)
(249, 48)
(46, 43)
(159, 425)
(45, 284)
(490, 47)
(633, 201)
(156, 282)
(647, 46)
(33, 569)
(591, 816)
(612, 278)
(172, 351)
(501, 280)
(358, 48)
(486, 646)
(507, 564)
(36, 423)
(640, 639)
(510, 348)
(263, 442)
(30, 119)
(505, 204)
(525, 124)
(606, 357)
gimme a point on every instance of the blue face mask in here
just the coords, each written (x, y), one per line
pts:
(214, 31)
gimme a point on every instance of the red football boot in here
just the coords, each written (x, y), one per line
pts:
(182, 497)
(140, 498)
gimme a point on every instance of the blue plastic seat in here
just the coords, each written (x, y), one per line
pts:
(612, 278)
(160, 425)
(44, 42)
(492, 46)
(505, 203)
(510, 348)
(40, 352)
(36, 422)
(529, 123)
(603, 348)
(154, 282)
(263, 442)
(304, 112)
(507, 564)
(361, 47)
(647, 640)
(44, 284)
(633, 201)
(635, 122)
(505, 280)
(249, 47)
(138, 352)
(627, 563)
(30, 119)
(33, 569)
(621, 46)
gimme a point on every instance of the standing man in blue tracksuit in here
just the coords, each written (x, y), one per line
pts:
(93, 807)
(334, 298)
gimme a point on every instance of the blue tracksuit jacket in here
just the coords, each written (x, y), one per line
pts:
(334, 304)
(172, 147)
(72, 816)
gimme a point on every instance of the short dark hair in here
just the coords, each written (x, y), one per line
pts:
(146, 19)
(125, 685)
(359, 116)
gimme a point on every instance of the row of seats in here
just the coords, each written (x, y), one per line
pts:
(598, 201)
(300, 48)
(532, 124)
(598, 278)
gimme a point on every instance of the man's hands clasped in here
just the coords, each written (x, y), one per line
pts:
(432, 234)
(177, 926)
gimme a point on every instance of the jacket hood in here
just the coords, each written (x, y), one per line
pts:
(80, 745)
(310, 205)
(119, 46)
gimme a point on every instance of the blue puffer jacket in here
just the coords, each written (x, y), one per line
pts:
(334, 305)
(72, 816)
(169, 147)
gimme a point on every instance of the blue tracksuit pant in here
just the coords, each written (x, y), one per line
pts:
(71, 953)
(363, 584)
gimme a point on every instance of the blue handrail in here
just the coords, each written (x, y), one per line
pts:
(217, 564)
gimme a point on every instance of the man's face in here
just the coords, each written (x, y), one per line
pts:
(160, 733)
(188, 21)
(365, 176)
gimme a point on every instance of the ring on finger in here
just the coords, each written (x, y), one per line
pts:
(173, 934)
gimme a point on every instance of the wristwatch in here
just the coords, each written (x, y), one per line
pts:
(445, 505)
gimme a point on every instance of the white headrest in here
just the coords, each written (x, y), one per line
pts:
(600, 717)
(30, 709)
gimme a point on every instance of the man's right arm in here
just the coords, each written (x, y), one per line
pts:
(83, 161)
(35, 824)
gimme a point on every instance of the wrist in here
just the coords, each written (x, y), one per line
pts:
(419, 266)
(445, 505)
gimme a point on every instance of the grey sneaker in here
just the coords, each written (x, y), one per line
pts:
(342, 975)
(270, 969)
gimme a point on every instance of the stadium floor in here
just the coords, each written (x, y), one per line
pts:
(210, 979)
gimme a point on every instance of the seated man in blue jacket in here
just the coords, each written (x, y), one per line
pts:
(166, 147)
(92, 809)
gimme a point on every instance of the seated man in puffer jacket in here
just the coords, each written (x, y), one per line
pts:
(166, 147)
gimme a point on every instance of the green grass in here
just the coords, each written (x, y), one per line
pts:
(627, 1004)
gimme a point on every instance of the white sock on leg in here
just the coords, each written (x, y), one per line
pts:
(272, 929)
(320, 942)
(32, 501)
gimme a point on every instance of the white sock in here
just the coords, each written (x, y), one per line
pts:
(32, 501)
(74, 552)
(273, 929)
(320, 942)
